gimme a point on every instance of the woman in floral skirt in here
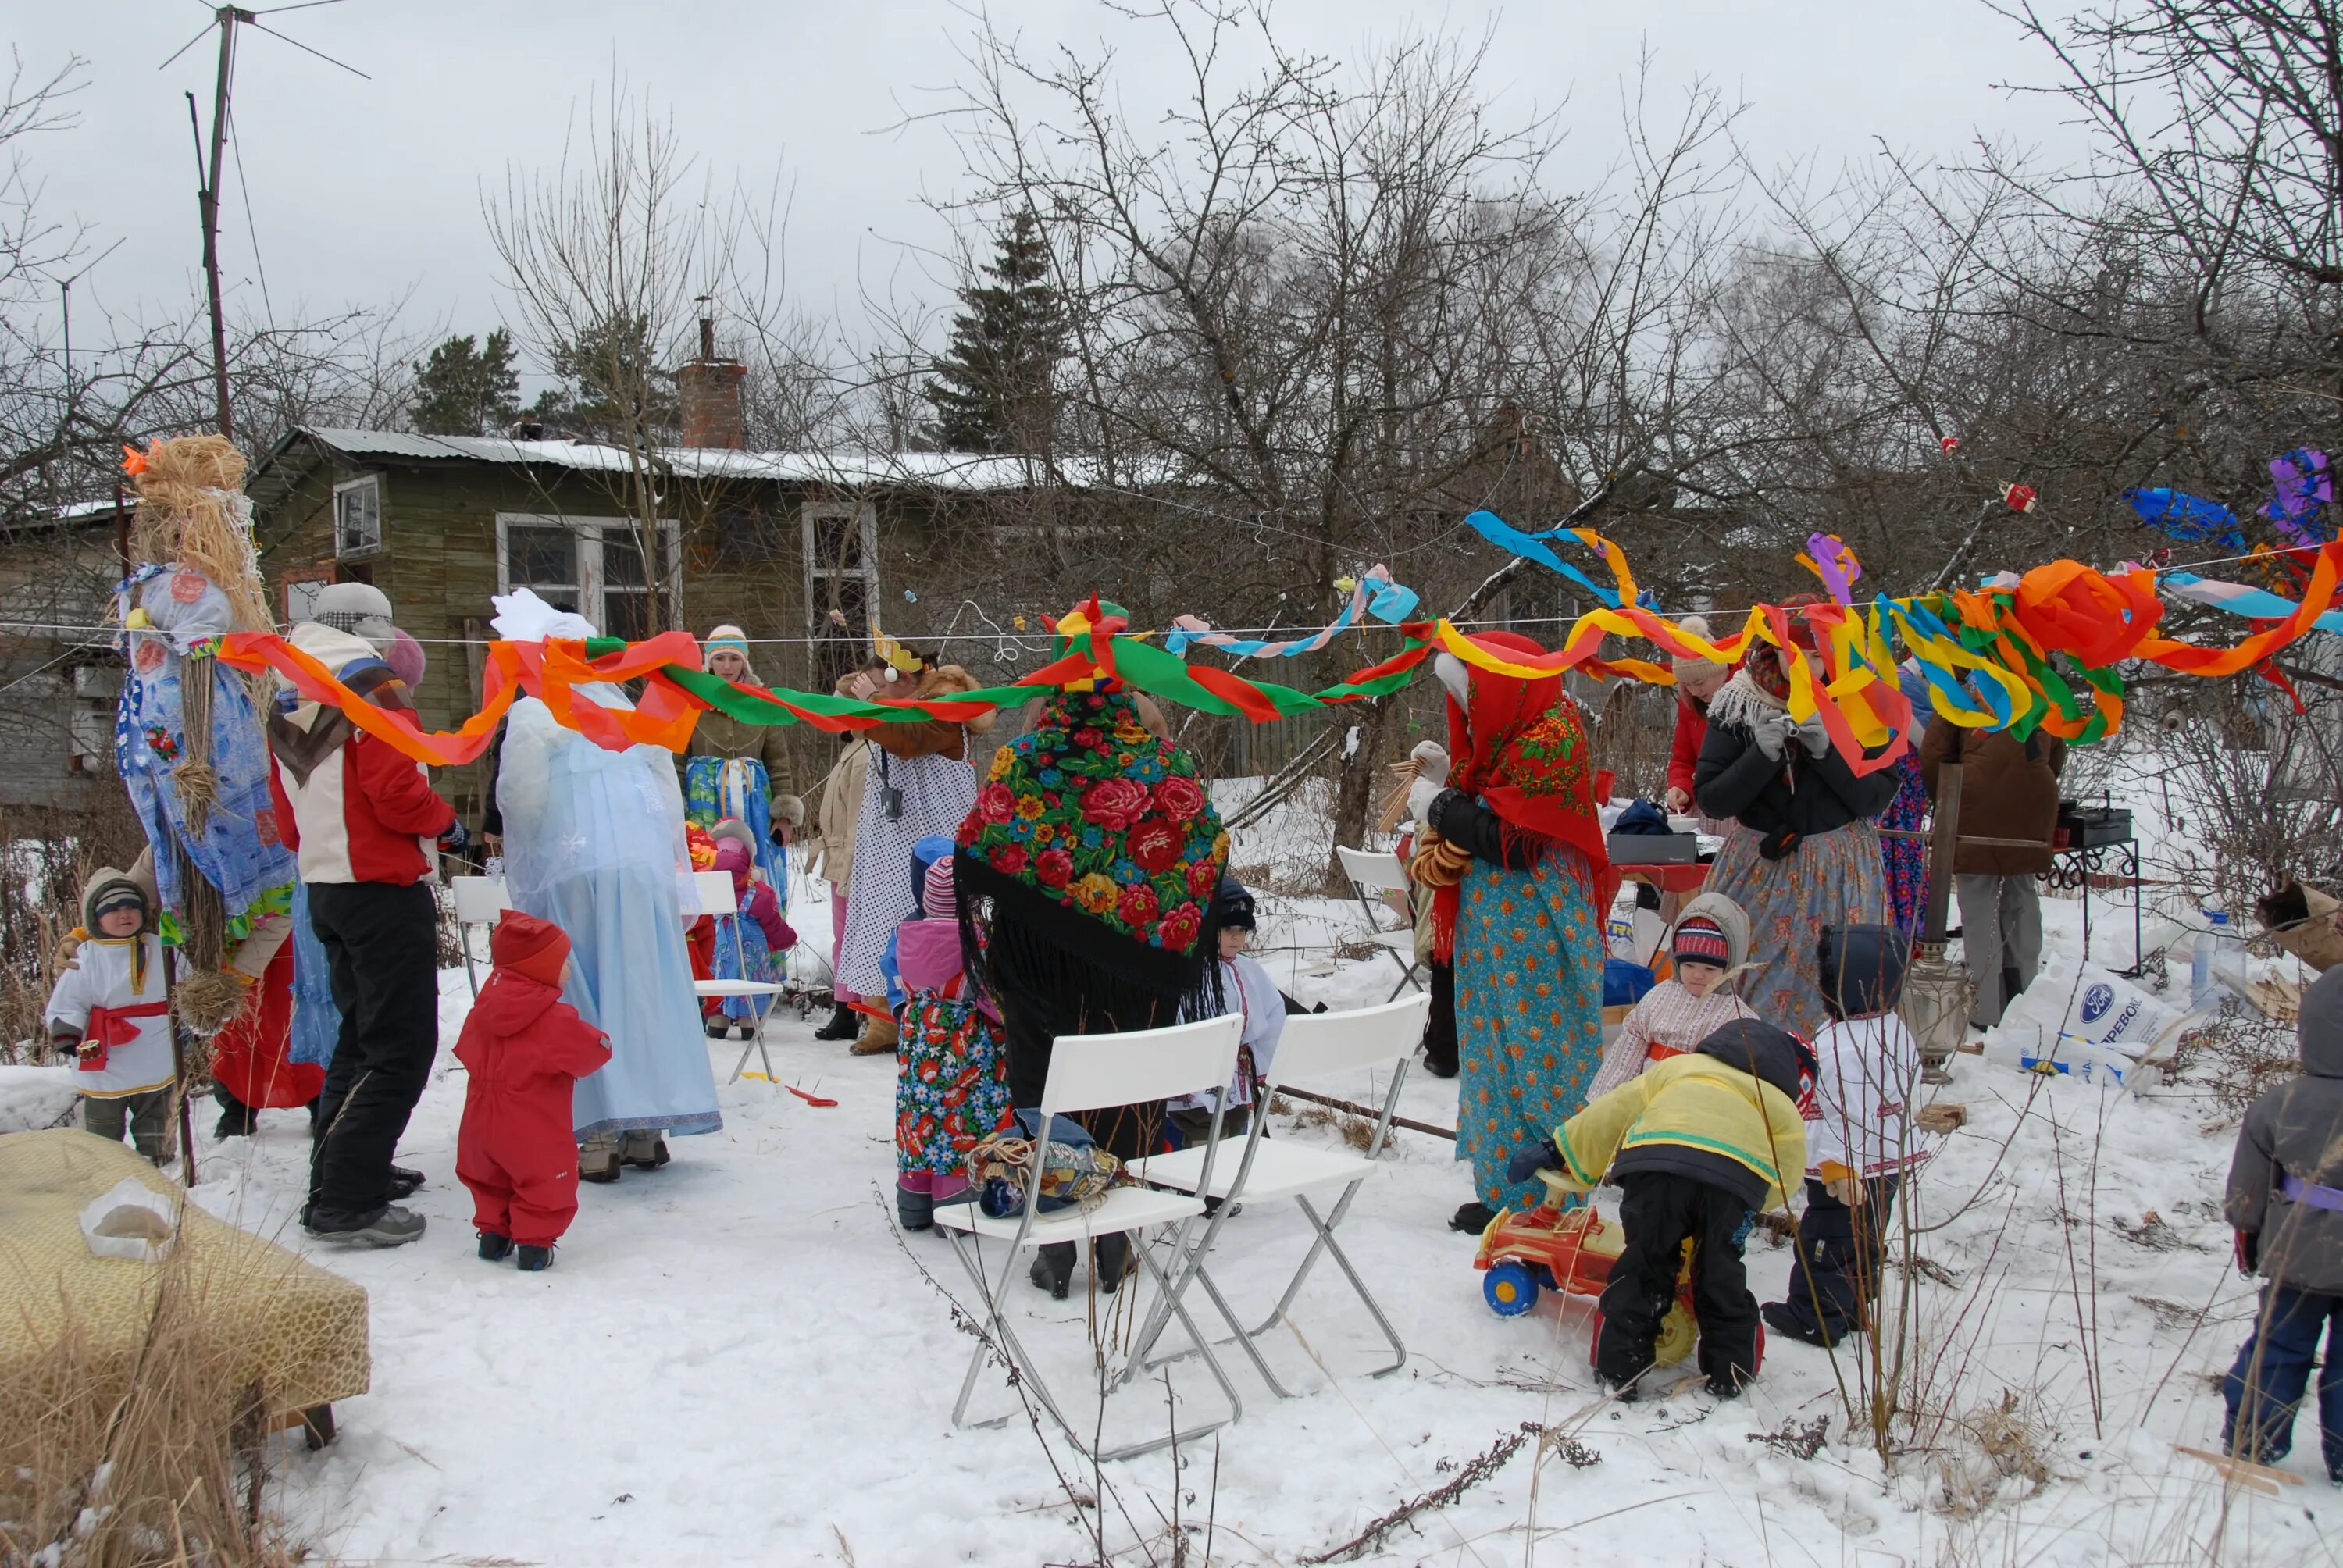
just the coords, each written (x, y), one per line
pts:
(1803, 853)
(1514, 909)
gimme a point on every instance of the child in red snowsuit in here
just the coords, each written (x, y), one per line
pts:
(525, 1048)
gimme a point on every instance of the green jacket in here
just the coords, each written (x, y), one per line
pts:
(721, 735)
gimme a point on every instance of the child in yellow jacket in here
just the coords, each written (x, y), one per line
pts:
(1694, 1144)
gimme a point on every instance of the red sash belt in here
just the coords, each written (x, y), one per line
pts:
(112, 1026)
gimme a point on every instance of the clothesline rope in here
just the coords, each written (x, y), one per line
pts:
(1042, 638)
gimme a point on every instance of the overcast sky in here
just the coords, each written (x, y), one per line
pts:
(359, 190)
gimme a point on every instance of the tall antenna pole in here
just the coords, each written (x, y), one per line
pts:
(208, 199)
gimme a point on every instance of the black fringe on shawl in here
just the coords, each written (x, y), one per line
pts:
(1056, 971)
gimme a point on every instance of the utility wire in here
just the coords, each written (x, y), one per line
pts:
(236, 147)
(1024, 639)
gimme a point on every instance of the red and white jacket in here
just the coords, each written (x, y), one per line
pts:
(351, 807)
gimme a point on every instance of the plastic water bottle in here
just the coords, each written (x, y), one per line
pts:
(2200, 962)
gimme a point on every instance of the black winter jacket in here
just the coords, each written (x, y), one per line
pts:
(1462, 820)
(1808, 795)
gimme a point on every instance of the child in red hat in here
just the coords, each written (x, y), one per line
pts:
(525, 1048)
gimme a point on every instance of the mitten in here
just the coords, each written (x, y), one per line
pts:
(1422, 794)
(456, 838)
(2247, 1247)
(1813, 736)
(1531, 1158)
(1771, 733)
(1431, 760)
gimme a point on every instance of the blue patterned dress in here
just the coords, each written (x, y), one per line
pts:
(1904, 862)
(1528, 966)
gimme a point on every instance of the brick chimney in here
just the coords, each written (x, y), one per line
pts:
(707, 390)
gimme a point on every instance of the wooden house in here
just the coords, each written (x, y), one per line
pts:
(59, 672)
(807, 552)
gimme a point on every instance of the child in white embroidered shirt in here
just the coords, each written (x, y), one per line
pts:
(112, 1010)
(1710, 943)
(1860, 1144)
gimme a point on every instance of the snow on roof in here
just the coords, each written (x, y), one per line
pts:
(936, 470)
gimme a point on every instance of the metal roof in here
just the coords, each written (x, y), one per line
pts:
(930, 470)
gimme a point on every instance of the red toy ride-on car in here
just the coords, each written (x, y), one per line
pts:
(1569, 1250)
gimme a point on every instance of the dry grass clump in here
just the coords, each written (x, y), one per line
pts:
(1993, 1445)
(45, 855)
(1357, 1132)
(147, 1457)
(2236, 1056)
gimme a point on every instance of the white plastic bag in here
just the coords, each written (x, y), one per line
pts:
(131, 1220)
(2091, 1061)
(2101, 1008)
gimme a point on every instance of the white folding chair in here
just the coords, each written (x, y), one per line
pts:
(1095, 1073)
(480, 901)
(1381, 872)
(1313, 1046)
(712, 895)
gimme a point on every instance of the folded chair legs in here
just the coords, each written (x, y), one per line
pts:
(1323, 1242)
(1023, 1371)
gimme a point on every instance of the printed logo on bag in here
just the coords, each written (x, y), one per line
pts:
(2096, 999)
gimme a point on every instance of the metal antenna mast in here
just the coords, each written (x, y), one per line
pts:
(227, 19)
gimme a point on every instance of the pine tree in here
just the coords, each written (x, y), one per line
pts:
(994, 388)
(609, 387)
(464, 389)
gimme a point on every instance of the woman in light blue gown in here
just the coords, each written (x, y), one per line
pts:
(594, 843)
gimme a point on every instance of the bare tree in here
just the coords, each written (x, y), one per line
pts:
(1316, 314)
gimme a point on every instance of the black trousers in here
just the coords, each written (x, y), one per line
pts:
(1440, 1023)
(1841, 1251)
(1659, 1213)
(381, 943)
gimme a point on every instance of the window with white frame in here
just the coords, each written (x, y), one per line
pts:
(357, 516)
(841, 572)
(593, 566)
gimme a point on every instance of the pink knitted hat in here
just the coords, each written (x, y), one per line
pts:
(941, 895)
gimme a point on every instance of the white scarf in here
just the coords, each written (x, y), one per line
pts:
(1743, 701)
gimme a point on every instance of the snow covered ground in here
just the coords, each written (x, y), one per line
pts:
(737, 1360)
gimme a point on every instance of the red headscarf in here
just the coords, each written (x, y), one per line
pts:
(1524, 751)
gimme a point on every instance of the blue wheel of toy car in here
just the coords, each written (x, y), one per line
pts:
(1510, 1287)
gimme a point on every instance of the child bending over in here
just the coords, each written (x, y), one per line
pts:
(1696, 1144)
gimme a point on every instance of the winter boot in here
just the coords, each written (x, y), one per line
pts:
(879, 1037)
(598, 1159)
(534, 1260)
(715, 1026)
(914, 1210)
(388, 1226)
(495, 1248)
(842, 1025)
(1053, 1269)
(1111, 1261)
(644, 1151)
(403, 1182)
(1472, 1219)
(238, 1120)
(1784, 1318)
